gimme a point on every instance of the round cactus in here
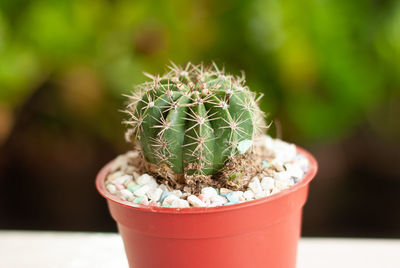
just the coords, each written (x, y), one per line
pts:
(192, 119)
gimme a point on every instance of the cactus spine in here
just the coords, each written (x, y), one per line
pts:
(192, 119)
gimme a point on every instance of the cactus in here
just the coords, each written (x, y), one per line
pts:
(193, 119)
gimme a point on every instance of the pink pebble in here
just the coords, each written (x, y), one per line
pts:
(204, 199)
(145, 202)
(153, 204)
(119, 187)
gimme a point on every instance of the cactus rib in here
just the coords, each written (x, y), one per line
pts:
(192, 119)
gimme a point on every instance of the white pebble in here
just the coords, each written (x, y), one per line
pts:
(178, 193)
(155, 195)
(142, 190)
(261, 194)
(282, 176)
(249, 195)
(123, 179)
(224, 191)
(195, 201)
(208, 192)
(145, 201)
(152, 185)
(267, 183)
(283, 151)
(268, 142)
(115, 175)
(126, 195)
(206, 200)
(184, 195)
(294, 170)
(274, 191)
(179, 203)
(169, 199)
(163, 187)
(303, 163)
(255, 185)
(282, 184)
(218, 200)
(111, 188)
(238, 194)
(145, 179)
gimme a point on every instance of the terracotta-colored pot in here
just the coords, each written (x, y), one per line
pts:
(259, 233)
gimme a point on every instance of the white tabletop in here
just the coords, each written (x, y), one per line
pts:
(75, 250)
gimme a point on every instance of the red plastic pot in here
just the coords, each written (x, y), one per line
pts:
(259, 233)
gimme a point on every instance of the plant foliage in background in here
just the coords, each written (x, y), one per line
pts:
(324, 66)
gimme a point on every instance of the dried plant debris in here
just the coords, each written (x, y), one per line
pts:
(271, 166)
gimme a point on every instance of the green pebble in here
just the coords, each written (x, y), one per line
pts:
(133, 188)
(244, 146)
(138, 200)
(265, 164)
(167, 205)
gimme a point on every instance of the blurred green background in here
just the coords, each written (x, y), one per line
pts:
(329, 71)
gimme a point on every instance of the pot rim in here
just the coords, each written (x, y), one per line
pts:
(312, 170)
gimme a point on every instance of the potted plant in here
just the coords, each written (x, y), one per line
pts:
(203, 185)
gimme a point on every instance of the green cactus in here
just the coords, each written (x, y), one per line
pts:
(192, 119)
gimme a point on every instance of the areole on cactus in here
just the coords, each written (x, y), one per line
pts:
(192, 119)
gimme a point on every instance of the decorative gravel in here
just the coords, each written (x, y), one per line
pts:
(143, 189)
